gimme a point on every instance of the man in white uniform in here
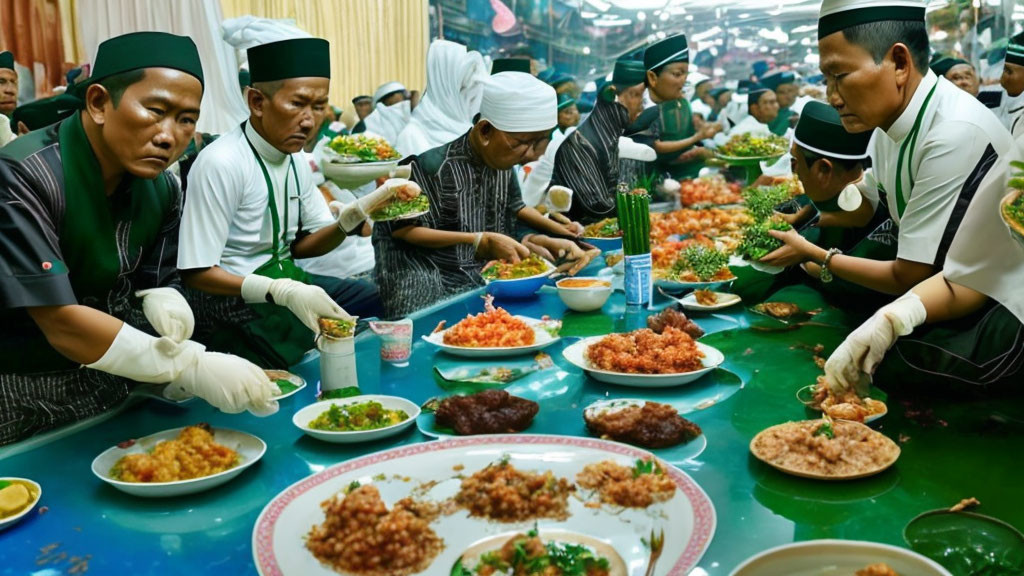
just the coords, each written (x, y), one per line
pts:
(762, 108)
(942, 161)
(237, 247)
(1012, 81)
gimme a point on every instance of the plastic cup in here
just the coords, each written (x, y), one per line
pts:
(337, 363)
(395, 340)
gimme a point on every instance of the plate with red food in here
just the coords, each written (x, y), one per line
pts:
(644, 358)
(494, 333)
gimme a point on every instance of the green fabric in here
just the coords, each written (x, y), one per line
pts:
(37, 114)
(830, 205)
(146, 50)
(276, 335)
(7, 60)
(956, 354)
(500, 65)
(911, 143)
(628, 73)
(780, 125)
(677, 124)
(295, 58)
(92, 219)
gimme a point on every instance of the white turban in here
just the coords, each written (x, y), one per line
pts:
(518, 102)
(385, 89)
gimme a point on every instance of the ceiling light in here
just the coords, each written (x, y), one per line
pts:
(641, 16)
(586, 49)
(586, 14)
(664, 17)
(606, 23)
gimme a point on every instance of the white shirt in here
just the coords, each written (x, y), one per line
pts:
(748, 125)
(699, 107)
(954, 134)
(225, 221)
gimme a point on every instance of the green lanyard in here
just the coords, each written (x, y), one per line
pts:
(271, 200)
(911, 143)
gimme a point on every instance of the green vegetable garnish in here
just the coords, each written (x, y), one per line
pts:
(286, 386)
(642, 467)
(757, 243)
(346, 392)
(357, 417)
(751, 146)
(826, 430)
(4, 484)
(1015, 210)
(366, 148)
(400, 208)
(703, 261)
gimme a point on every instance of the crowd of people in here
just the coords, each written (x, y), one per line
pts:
(135, 249)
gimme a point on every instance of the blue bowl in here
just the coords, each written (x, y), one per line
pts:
(605, 244)
(519, 288)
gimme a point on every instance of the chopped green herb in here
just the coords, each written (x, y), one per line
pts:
(400, 208)
(825, 430)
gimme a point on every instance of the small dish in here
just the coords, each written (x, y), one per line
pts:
(835, 558)
(724, 300)
(967, 542)
(806, 397)
(519, 288)
(604, 244)
(35, 494)
(249, 448)
(286, 382)
(584, 298)
(303, 417)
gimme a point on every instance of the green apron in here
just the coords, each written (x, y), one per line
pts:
(276, 338)
(677, 124)
(780, 125)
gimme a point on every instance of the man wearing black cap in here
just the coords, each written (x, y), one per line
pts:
(941, 161)
(958, 71)
(8, 84)
(668, 127)
(89, 217)
(252, 208)
(588, 161)
(829, 161)
(1012, 81)
(783, 83)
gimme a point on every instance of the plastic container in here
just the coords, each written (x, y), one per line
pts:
(337, 363)
(395, 340)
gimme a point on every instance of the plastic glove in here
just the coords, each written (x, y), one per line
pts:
(229, 383)
(559, 199)
(636, 151)
(168, 312)
(309, 303)
(851, 365)
(351, 215)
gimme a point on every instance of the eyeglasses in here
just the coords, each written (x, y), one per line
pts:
(523, 146)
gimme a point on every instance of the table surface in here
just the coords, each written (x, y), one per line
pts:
(952, 449)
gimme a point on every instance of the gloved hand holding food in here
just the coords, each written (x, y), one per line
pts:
(306, 301)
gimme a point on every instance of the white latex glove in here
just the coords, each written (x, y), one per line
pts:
(229, 383)
(636, 151)
(168, 312)
(308, 302)
(559, 199)
(851, 365)
(352, 215)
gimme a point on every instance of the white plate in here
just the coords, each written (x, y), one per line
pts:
(810, 389)
(836, 558)
(543, 340)
(674, 286)
(293, 378)
(303, 417)
(688, 519)
(406, 216)
(250, 449)
(12, 520)
(724, 301)
(575, 354)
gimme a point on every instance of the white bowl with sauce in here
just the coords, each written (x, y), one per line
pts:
(584, 294)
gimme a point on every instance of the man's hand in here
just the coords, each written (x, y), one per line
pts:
(352, 215)
(783, 257)
(308, 302)
(168, 313)
(569, 257)
(800, 248)
(494, 246)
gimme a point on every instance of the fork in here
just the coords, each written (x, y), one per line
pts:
(657, 543)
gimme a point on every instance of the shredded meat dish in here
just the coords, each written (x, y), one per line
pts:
(361, 536)
(627, 487)
(676, 319)
(502, 492)
(802, 447)
(673, 351)
(486, 412)
(652, 425)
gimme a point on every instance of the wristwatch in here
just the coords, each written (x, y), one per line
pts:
(826, 274)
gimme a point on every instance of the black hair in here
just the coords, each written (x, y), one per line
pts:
(811, 157)
(878, 37)
(117, 84)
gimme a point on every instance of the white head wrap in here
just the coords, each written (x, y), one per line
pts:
(386, 89)
(454, 86)
(518, 102)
